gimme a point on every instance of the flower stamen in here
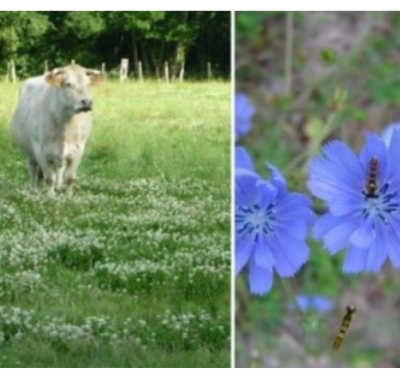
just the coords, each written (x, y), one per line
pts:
(254, 219)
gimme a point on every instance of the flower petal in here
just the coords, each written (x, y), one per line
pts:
(361, 259)
(295, 206)
(395, 142)
(365, 234)
(329, 181)
(243, 159)
(289, 255)
(394, 156)
(244, 111)
(303, 302)
(376, 256)
(322, 304)
(243, 251)
(260, 279)
(355, 260)
(241, 198)
(266, 193)
(390, 240)
(245, 187)
(314, 302)
(346, 205)
(277, 179)
(387, 132)
(295, 228)
(262, 255)
(345, 159)
(335, 231)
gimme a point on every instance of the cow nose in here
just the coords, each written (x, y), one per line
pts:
(87, 103)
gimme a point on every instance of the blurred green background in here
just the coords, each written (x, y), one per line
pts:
(314, 76)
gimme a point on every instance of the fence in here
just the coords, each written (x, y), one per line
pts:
(121, 72)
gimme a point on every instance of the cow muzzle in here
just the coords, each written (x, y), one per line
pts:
(84, 105)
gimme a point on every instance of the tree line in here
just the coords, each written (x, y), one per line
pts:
(195, 38)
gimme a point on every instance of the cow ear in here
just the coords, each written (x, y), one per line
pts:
(95, 76)
(54, 77)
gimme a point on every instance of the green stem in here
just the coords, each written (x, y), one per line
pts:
(289, 53)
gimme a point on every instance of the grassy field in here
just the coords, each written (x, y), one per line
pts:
(134, 270)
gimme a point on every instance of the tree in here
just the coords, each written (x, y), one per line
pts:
(20, 31)
(138, 24)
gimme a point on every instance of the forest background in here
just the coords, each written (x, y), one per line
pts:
(92, 38)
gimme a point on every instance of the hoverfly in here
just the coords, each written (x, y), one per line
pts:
(348, 317)
(372, 183)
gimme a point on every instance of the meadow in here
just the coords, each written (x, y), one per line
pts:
(134, 270)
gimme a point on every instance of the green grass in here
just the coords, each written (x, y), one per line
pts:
(134, 270)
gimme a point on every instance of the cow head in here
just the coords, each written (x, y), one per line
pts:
(74, 82)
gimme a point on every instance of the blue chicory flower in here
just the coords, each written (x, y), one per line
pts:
(244, 111)
(271, 226)
(314, 302)
(363, 199)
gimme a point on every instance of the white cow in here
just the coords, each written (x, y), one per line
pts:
(52, 123)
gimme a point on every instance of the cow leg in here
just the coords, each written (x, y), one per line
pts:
(33, 169)
(49, 175)
(59, 177)
(40, 175)
(50, 179)
(70, 172)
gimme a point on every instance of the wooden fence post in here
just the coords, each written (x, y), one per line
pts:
(209, 71)
(7, 77)
(103, 71)
(123, 72)
(182, 71)
(46, 66)
(140, 71)
(166, 72)
(13, 74)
